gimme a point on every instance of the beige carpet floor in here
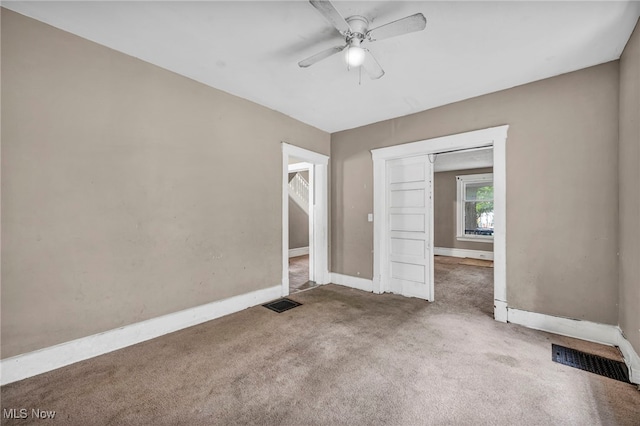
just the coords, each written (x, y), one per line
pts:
(344, 357)
(299, 274)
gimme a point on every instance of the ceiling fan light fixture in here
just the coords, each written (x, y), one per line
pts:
(355, 30)
(355, 56)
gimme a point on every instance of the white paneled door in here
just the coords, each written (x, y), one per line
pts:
(409, 267)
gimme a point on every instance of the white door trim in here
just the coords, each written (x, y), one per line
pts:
(318, 214)
(495, 137)
(299, 167)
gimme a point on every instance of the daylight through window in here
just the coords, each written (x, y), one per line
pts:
(475, 207)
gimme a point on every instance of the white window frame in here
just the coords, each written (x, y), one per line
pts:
(463, 181)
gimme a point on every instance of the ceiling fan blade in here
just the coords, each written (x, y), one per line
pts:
(332, 15)
(371, 66)
(406, 25)
(320, 56)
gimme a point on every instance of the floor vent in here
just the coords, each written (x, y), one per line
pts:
(281, 305)
(616, 370)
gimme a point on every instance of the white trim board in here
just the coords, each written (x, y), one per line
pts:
(461, 191)
(495, 137)
(455, 252)
(37, 362)
(300, 167)
(585, 330)
(353, 282)
(318, 214)
(300, 251)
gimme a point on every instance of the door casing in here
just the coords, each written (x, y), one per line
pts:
(318, 214)
(495, 137)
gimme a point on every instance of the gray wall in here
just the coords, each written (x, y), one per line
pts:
(445, 197)
(562, 188)
(629, 155)
(114, 211)
(116, 201)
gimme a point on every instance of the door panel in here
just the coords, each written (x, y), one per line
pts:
(407, 198)
(408, 217)
(407, 222)
(403, 173)
(407, 247)
(408, 272)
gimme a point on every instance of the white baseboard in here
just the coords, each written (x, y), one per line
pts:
(354, 282)
(454, 252)
(37, 362)
(585, 330)
(301, 251)
(631, 358)
(500, 310)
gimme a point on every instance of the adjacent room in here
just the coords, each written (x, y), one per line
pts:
(320, 212)
(463, 224)
(299, 225)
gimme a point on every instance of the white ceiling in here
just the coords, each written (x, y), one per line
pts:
(251, 49)
(462, 160)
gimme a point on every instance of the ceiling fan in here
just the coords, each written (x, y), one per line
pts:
(355, 30)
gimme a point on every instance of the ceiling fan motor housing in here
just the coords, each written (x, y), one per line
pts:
(359, 27)
(355, 30)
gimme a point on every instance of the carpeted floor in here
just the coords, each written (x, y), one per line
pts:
(299, 274)
(344, 357)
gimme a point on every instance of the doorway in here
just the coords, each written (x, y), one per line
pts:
(492, 137)
(463, 229)
(311, 264)
(300, 224)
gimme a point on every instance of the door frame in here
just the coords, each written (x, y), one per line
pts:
(318, 214)
(495, 137)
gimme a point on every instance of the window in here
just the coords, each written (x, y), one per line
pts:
(475, 207)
